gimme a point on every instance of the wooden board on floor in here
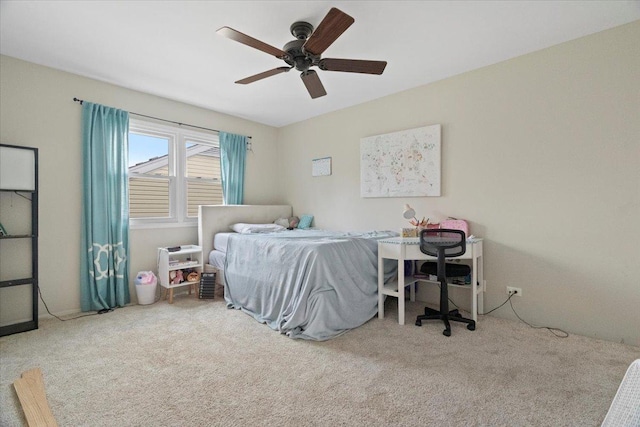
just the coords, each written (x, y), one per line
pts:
(33, 398)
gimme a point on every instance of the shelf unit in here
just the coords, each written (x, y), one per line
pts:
(391, 287)
(10, 183)
(188, 257)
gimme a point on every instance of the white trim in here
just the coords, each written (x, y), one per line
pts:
(178, 152)
(192, 222)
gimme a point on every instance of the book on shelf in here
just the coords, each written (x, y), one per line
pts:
(178, 263)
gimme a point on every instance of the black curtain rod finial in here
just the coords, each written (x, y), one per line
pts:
(78, 100)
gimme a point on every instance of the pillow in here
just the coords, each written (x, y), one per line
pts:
(305, 221)
(282, 221)
(255, 228)
(293, 222)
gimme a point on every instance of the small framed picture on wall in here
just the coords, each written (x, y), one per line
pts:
(321, 167)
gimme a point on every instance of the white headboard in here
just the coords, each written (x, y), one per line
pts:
(214, 219)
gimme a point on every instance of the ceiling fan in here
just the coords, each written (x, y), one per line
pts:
(305, 52)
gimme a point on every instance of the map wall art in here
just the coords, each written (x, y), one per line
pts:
(401, 164)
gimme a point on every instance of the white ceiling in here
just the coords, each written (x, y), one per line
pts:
(171, 49)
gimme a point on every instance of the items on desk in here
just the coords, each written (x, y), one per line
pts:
(455, 224)
(409, 232)
(449, 223)
(410, 214)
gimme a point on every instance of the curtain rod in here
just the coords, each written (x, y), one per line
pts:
(162, 120)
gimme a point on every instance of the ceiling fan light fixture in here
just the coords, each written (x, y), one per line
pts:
(306, 50)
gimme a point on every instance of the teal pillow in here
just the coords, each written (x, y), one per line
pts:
(305, 221)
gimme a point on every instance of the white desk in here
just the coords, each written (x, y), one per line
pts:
(408, 249)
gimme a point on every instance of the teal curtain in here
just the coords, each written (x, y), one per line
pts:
(104, 277)
(233, 155)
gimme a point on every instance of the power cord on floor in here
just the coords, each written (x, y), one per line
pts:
(104, 310)
(555, 331)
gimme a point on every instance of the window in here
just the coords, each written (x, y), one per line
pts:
(171, 171)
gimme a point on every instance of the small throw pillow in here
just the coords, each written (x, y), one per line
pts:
(282, 221)
(305, 221)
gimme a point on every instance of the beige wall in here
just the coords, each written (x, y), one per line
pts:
(540, 153)
(36, 110)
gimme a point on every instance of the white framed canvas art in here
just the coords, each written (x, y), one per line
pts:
(401, 164)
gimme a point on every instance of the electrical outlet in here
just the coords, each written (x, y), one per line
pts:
(511, 290)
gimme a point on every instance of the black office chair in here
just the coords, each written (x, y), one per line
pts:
(443, 243)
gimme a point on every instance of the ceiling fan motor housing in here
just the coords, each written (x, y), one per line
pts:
(298, 57)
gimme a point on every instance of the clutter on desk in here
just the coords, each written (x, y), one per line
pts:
(419, 225)
(455, 224)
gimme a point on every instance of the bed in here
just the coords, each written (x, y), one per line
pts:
(308, 284)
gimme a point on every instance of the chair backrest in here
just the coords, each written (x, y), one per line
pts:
(452, 242)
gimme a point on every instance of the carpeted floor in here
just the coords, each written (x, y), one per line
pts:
(196, 363)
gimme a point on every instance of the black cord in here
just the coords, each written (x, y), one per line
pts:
(24, 197)
(104, 310)
(62, 320)
(555, 331)
(491, 311)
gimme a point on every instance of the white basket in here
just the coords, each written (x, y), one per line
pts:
(146, 292)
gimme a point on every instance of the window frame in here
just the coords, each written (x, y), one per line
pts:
(177, 138)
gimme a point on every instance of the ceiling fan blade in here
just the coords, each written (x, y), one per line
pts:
(332, 26)
(352, 65)
(232, 34)
(263, 75)
(312, 82)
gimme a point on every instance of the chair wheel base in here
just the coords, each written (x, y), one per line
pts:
(452, 316)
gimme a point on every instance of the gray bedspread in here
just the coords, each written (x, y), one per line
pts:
(307, 284)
